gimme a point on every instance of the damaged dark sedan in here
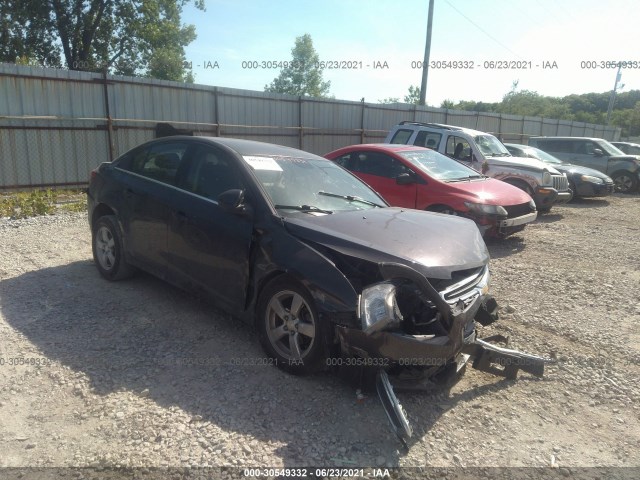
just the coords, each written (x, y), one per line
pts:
(328, 273)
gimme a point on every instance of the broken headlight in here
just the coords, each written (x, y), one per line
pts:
(378, 308)
(484, 209)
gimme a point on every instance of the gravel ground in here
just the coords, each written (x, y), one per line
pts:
(138, 373)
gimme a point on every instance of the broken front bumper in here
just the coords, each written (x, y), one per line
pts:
(514, 222)
(430, 353)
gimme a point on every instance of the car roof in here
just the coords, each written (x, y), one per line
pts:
(242, 146)
(387, 147)
(442, 126)
(569, 138)
(390, 148)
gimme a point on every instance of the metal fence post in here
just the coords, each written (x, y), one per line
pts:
(300, 127)
(362, 121)
(216, 114)
(108, 115)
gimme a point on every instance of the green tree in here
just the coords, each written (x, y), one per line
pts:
(27, 33)
(303, 76)
(129, 37)
(447, 104)
(413, 96)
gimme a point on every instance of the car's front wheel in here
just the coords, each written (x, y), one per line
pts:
(625, 182)
(289, 327)
(108, 249)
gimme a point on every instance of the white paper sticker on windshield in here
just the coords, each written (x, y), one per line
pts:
(263, 163)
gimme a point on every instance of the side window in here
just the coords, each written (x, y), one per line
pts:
(560, 146)
(345, 161)
(458, 148)
(160, 162)
(589, 147)
(135, 157)
(211, 172)
(378, 164)
(402, 136)
(428, 139)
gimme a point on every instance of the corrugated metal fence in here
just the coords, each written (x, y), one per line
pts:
(56, 125)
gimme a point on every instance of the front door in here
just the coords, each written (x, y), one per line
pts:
(209, 245)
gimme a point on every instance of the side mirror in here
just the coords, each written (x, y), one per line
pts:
(597, 152)
(232, 200)
(405, 179)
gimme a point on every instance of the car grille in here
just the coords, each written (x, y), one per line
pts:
(464, 288)
(514, 211)
(560, 183)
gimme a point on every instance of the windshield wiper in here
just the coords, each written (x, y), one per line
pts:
(351, 198)
(303, 208)
(465, 179)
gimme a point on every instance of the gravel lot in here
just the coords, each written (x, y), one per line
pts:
(138, 373)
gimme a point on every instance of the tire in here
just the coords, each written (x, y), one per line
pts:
(574, 192)
(290, 330)
(626, 182)
(108, 250)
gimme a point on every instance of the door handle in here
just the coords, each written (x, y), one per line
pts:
(128, 193)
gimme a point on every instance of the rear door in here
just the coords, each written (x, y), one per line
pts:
(209, 245)
(380, 171)
(147, 182)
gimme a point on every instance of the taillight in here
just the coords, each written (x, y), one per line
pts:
(93, 174)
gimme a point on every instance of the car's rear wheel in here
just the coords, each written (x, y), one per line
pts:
(625, 182)
(289, 327)
(108, 250)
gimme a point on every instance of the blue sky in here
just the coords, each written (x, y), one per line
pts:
(567, 32)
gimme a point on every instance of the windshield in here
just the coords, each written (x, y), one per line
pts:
(308, 184)
(490, 146)
(609, 149)
(438, 166)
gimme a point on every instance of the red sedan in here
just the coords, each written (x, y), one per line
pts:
(421, 178)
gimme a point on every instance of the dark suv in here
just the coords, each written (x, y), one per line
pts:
(595, 153)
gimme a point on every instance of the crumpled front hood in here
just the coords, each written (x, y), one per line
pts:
(432, 243)
(522, 162)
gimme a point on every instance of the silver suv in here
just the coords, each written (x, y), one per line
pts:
(484, 152)
(594, 153)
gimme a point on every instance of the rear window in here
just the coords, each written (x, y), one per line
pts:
(402, 136)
